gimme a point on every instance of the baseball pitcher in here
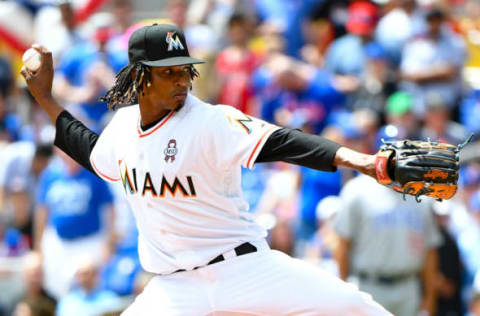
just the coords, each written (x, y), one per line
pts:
(179, 160)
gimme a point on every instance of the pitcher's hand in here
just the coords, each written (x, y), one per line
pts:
(40, 82)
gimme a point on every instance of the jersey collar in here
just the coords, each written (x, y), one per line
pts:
(151, 130)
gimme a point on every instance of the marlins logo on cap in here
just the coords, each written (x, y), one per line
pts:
(173, 42)
(160, 45)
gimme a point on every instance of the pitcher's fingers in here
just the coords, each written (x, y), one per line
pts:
(47, 60)
(40, 48)
(46, 54)
(25, 73)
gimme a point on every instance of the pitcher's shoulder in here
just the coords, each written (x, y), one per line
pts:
(126, 113)
(203, 109)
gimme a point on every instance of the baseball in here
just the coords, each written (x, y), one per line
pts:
(32, 59)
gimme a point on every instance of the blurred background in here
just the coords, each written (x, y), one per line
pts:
(356, 72)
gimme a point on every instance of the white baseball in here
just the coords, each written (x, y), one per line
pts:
(32, 59)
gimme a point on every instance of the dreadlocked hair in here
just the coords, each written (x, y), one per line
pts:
(126, 89)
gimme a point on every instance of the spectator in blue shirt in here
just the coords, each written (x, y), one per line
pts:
(377, 82)
(20, 168)
(74, 216)
(432, 63)
(295, 94)
(289, 15)
(317, 185)
(87, 299)
(10, 123)
(85, 72)
(346, 55)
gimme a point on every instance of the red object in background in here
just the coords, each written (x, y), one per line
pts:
(362, 18)
(102, 35)
(19, 44)
(82, 14)
(13, 41)
(235, 69)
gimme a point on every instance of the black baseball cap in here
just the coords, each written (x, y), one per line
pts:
(160, 45)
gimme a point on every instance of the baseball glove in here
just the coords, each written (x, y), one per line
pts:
(419, 167)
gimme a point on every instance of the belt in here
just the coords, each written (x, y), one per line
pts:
(241, 250)
(387, 279)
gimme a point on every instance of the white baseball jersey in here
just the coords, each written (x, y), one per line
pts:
(182, 178)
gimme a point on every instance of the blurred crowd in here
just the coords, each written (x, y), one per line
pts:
(357, 72)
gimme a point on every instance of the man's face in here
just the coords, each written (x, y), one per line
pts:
(169, 86)
(434, 26)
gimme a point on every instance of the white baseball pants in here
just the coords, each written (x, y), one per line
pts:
(266, 283)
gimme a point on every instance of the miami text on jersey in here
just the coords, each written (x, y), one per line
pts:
(131, 182)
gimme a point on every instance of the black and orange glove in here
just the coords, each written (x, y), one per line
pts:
(419, 167)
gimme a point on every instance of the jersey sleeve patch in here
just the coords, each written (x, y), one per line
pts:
(238, 138)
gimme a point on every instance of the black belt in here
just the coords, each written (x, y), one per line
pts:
(241, 250)
(385, 279)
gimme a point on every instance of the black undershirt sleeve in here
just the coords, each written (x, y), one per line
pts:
(75, 139)
(299, 148)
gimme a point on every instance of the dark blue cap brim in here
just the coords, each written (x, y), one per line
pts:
(173, 61)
